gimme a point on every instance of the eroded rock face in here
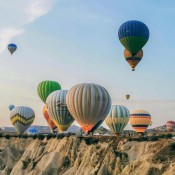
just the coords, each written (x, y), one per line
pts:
(80, 156)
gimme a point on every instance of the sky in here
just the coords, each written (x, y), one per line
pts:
(76, 41)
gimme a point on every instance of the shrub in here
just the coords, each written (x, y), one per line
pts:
(40, 136)
(7, 136)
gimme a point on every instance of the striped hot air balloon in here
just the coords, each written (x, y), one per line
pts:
(50, 122)
(133, 60)
(117, 118)
(170, 126)
(58, 111)
(133, 35)
(47, 87)
(21, 118)
(140, 120)
(89, 104)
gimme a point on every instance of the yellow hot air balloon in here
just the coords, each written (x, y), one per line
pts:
(89, 104)
(140, 120)
(127, 96)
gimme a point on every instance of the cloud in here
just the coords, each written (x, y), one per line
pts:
(21, 13)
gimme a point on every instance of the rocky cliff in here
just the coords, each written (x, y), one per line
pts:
(86, 156)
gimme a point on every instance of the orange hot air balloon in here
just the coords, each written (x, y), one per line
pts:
(140, 120)
(133, 60)
(51, 124)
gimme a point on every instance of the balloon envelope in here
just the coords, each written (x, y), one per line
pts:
(140, 120)
(127, 96)
(170, 126)
(133, 35)
(133, 60)
(118, 118)
(50, 122)
(12, 48)
(47, 87)
(21, 118)
(88, 103)
(11, 107)
(58, 111)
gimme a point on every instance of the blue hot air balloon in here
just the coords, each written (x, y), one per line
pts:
(32, 130)
(11, 107)
(133, 35)
(12, 48)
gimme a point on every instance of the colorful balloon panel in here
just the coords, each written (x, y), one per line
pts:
(12, 48)
(133, 60)
(45, 88)
(170, 126)
(88, 103)
(133, 35)
(50, 122)
(58, 111)
(140, 120)
(21, 118)
(118, 118)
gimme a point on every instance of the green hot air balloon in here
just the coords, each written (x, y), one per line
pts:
(45, 88)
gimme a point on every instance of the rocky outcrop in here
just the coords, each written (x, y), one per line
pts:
(86, 156)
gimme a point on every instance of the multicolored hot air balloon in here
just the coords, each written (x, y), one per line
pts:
(12, 48)
(140, 120)
(170, 126)
(127, 96)
(50, 122)
(89, 104)
(21, 118)
(133, 60)
(133, 35)
(47, 87)
(117, 119)
(58, 111)
(11, 107)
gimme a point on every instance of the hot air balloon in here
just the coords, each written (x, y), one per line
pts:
(50, 122)
(11, 107)
(47, 87)
(133, 35)
(32, 131)
(21, 118)
(117, 118)
(133, 60)
(12, 48)
(140, 120)
(58, 111)
(170, 126)
(127, 96)
(88, 103)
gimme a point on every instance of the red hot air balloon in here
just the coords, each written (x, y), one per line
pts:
(51, 124)
(170, 126)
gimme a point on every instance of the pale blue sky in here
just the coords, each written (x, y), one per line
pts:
(75, 41)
